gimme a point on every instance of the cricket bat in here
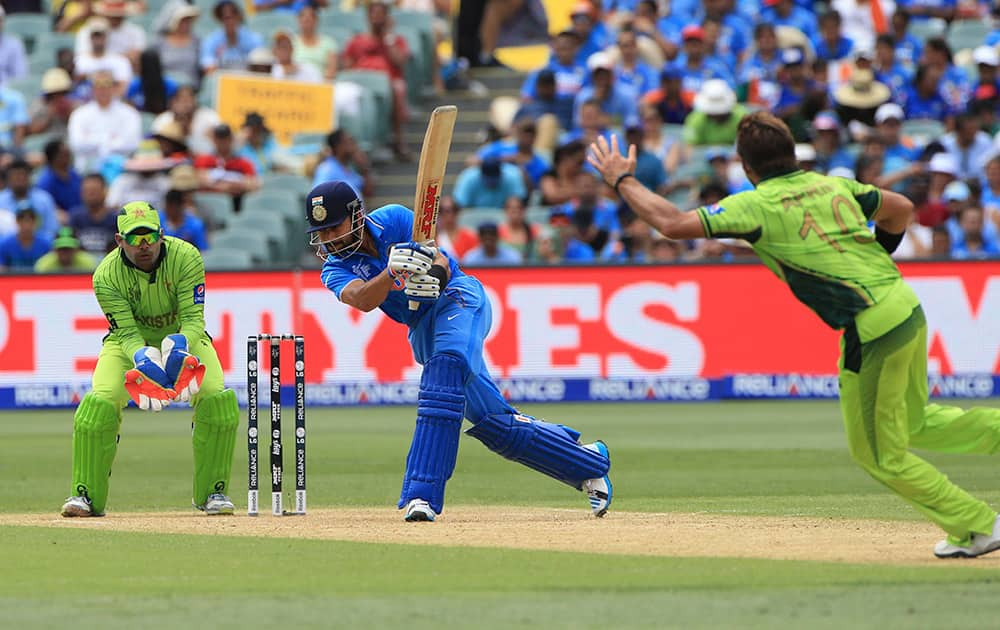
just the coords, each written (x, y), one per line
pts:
(430, 175)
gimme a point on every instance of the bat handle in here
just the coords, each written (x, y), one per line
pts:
(414, 305)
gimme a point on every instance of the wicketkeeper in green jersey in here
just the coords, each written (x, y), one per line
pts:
(812, 232)
(152, 291)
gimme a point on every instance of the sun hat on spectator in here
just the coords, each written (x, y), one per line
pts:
(715, 98)
(184, 177)
(956, 191)
(943, 163)
(116, 8)
(182, 11)
(841, 171)
(863, 51)
(805, 152)
(170, 130)
(260, 57)
(862, 91)
(148, 159)
(56, 80)
(792, 57)
(986, 56)
(692, 31)
(600, 61)
(826, 121)
(98, 24)
(889, 111)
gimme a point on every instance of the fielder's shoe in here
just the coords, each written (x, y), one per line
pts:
(977, 545)
(78, 506)
(217, 503)
(598, 490)
(418, 510)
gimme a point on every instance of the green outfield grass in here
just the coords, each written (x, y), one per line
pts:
(783, 458)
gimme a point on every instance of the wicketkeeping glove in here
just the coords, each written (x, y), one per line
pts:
(407, 259)
(184, 370)
(422, 288)
(147, 383)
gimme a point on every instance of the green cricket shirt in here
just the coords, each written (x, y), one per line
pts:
(812, 232)
(143, 308)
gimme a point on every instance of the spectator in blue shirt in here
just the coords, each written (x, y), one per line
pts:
(972, 243)
(899, 151)
(595, 218)
(345, 162)
(546, 101)
(695, 66)
(924, 99)
(619, 102)
(593, 34)
(926, 9)
(635, 241)
(786, 13)
(908, 48)
(13, 58)
(14, 119)
(631, 70)
(20, 251)
(20, 194)
(954, 84)
(489, 184)
(284, 6)
(259, 145)
(570, 246)
(151, 91)
(827, 142)
(490, 250)
(757, 76)
(178, 221)
(831, 45)
(648, 168)
(569, 75)
(735, 29)
(519, 150)
(227, 48)
(93, 222)
(59, 178)
(888, 70)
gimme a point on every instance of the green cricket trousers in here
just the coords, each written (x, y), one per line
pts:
(883, 398)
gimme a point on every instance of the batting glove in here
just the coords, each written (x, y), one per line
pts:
(147, 383)
(407, 259)
(183, 369)
(422, 288)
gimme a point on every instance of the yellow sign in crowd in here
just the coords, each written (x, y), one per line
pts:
(288, 107)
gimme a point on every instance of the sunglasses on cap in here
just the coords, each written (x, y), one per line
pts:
(136, 240)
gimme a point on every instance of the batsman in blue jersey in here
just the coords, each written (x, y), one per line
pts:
(370, 262)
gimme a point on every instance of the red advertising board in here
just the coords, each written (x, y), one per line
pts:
(569, 322)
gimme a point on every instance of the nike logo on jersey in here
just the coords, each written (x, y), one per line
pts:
(451, 317)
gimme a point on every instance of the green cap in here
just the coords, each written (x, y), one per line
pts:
(65, 239)
(138, 214)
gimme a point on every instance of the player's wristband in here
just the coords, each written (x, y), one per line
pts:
(888, 240)
(439, 272)
(619, 181)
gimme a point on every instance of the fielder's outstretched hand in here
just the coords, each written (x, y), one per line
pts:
(610, 161)
(147, 383)
(184, 370)
(411, 258)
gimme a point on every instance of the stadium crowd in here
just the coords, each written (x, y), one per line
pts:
(109, 103)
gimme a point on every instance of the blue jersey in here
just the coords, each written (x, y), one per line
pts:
(387, 226)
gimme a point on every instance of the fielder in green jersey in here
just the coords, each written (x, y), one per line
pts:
(812, 232)
(152, 291)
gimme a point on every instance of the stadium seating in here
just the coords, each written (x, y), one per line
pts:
(227, 259)
(923, 130)
(274, 228)
(967, 34)
(926, 29)
(215, 208)
(30, 87)
(268, 22)
(356, 21)
(275, 201)
(261, 248)
(378, 84)
(29, 27)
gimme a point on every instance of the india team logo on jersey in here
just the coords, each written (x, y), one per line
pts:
(199, 293)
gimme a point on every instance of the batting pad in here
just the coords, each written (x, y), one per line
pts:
(95, 443)
(548, 448)
(434, 448)
(213, 439)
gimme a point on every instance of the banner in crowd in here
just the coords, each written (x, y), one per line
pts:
(565, 333)
(288, 107)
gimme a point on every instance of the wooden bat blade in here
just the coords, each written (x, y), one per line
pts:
(430, 172)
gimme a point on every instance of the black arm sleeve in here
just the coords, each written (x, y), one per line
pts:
(440, 273)
(888, 240)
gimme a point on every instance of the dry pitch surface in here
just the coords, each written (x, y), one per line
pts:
(626, 533)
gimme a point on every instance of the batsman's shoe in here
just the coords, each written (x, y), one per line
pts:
(418, 510)
(78, 506)
(217, 503)
(977, 545)
(598, 490)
